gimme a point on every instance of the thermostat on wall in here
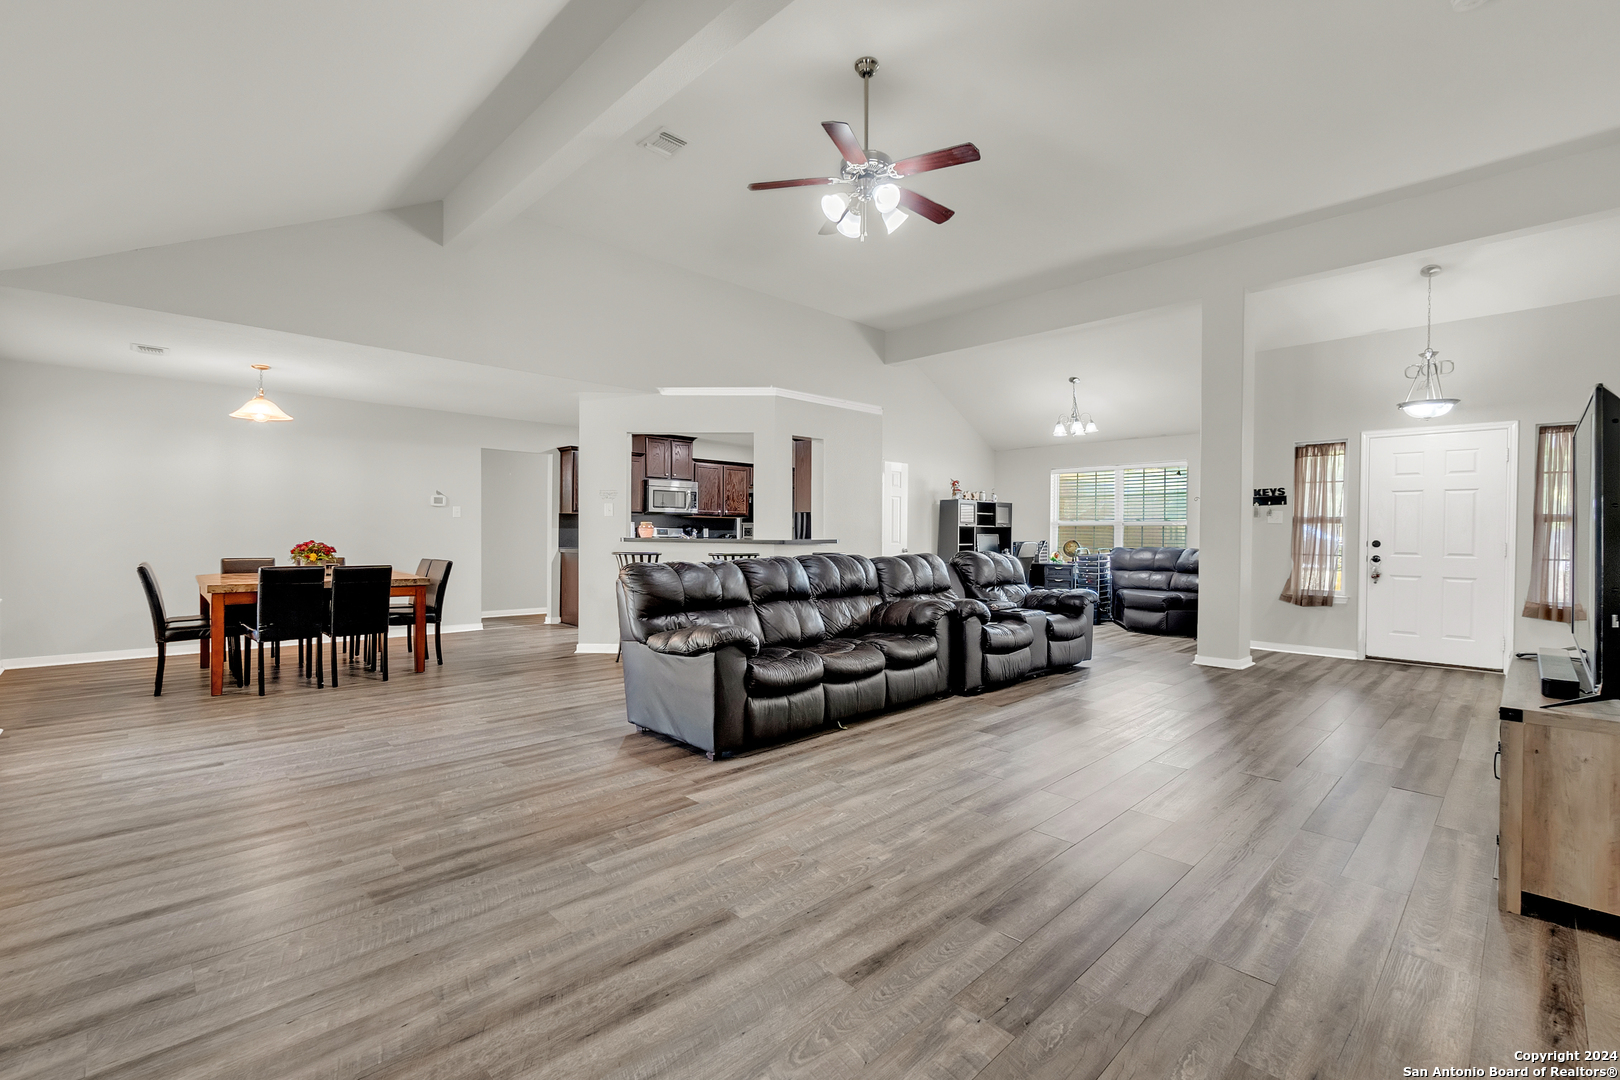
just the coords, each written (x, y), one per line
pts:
(439, 499)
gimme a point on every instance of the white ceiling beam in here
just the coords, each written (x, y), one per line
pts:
(652, 56)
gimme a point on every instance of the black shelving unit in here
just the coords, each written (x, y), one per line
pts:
(968, 525)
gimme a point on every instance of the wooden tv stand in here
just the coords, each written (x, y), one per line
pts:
(1560, 825)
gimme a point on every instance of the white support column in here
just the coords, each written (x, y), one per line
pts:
(1226, 459)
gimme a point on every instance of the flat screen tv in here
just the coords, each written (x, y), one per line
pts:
(1595, 565)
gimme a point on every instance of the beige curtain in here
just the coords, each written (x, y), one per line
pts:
(1553, 518)
(1318, 525)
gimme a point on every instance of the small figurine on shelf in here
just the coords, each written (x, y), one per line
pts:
(956, 489)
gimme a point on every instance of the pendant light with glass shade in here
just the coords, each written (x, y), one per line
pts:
(1432, 402)
(1077, 422)
(261, 409)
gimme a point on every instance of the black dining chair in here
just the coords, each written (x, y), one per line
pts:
(165, 628)
(242, 613)
(732, 556)
(292, 607)
(627, 557)
(438, 575)
(360, 612)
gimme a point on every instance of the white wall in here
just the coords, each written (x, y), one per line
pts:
(711, 450)
(1536, 367)
(517, 518)
(1024, 476)
(99, 472)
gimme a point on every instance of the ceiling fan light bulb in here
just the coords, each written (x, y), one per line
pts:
(894, 219)
(834, 206)
(850, 224)
(886, 197)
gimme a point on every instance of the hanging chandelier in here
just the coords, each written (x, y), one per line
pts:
(1432, 400)
(1077, 422)
(260, 409)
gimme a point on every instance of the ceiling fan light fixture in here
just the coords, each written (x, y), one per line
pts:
(834, 206)
(850, 223)
(894, 219)
(886, 197)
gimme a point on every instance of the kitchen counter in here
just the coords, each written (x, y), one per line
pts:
(716, 540)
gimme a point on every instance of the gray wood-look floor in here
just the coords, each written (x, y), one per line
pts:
(1140, 869)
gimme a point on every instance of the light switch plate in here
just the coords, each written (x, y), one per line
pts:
(607, 509)
(455, 511)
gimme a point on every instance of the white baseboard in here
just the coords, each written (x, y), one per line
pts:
(510, 612)
(181, 648)
(584, 648)
(1304, 650)
(553, 620)
(1222, 662)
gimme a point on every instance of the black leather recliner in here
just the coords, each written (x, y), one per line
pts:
(984, 651)
(1156, 590)
(725, 656)
(1061, 619)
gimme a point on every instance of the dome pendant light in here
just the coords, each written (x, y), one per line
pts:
(1426, 376)
(261, 409)
(1077, 422)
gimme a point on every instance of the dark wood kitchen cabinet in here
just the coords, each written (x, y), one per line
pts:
(681, 464)
(667, 457)
(738, 481)
(568, 598)
(568, 490)
(711, 487)
(657, 457)
(638, 483)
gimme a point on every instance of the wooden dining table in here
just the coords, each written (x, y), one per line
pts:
(216, 592)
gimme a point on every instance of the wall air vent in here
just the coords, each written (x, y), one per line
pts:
(149, 350)
(662, 143)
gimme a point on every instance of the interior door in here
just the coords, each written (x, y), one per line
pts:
(896, 485)
(1436, 564)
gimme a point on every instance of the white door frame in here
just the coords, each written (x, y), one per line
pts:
(1508, 593)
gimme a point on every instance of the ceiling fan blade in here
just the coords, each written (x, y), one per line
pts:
(923, 206)
(843, 136)
(960, 154)
(809, 181)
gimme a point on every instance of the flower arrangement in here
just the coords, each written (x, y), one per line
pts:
(313, 551)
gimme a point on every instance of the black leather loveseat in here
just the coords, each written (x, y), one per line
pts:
(725, 656)
(1156, 589)
(1061, 620)
(984, 651)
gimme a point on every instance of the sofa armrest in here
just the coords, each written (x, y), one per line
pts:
(703, 638)
(911, 613)
(1062, 601)
(970, 609)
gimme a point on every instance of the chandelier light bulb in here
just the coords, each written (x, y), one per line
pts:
(834, 206)
(886, 197)
(1060, 429)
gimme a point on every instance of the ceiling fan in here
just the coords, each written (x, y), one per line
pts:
(872, 175)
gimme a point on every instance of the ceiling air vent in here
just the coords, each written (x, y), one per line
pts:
(662, 143)
(149, 350)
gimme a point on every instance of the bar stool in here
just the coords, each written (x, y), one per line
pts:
(732, 556)
(625, 559)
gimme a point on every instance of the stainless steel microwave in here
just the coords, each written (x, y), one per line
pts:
(672, 496)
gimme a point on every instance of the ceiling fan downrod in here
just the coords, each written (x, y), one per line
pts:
(866, 67)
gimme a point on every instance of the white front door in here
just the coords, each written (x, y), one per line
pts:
(895, 484)
(1437, 526)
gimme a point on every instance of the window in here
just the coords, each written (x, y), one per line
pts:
(1318, 542)
(1552, 521)
(1120, 506)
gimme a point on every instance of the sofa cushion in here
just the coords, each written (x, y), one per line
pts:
(904, 650)
(912, 575)
(1157, 600)
(990, 576)
(696, 640)
(1006, 637)
(844, 589)
(1142, 579)
(1144, 559)
(670, 596)
(847, 659)
(1061, 627)
(783, 671)
(780, 591)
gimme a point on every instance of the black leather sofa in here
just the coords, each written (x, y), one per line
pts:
(726, 656)
(1156, 589)
(984, 651)
(1061, 620)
